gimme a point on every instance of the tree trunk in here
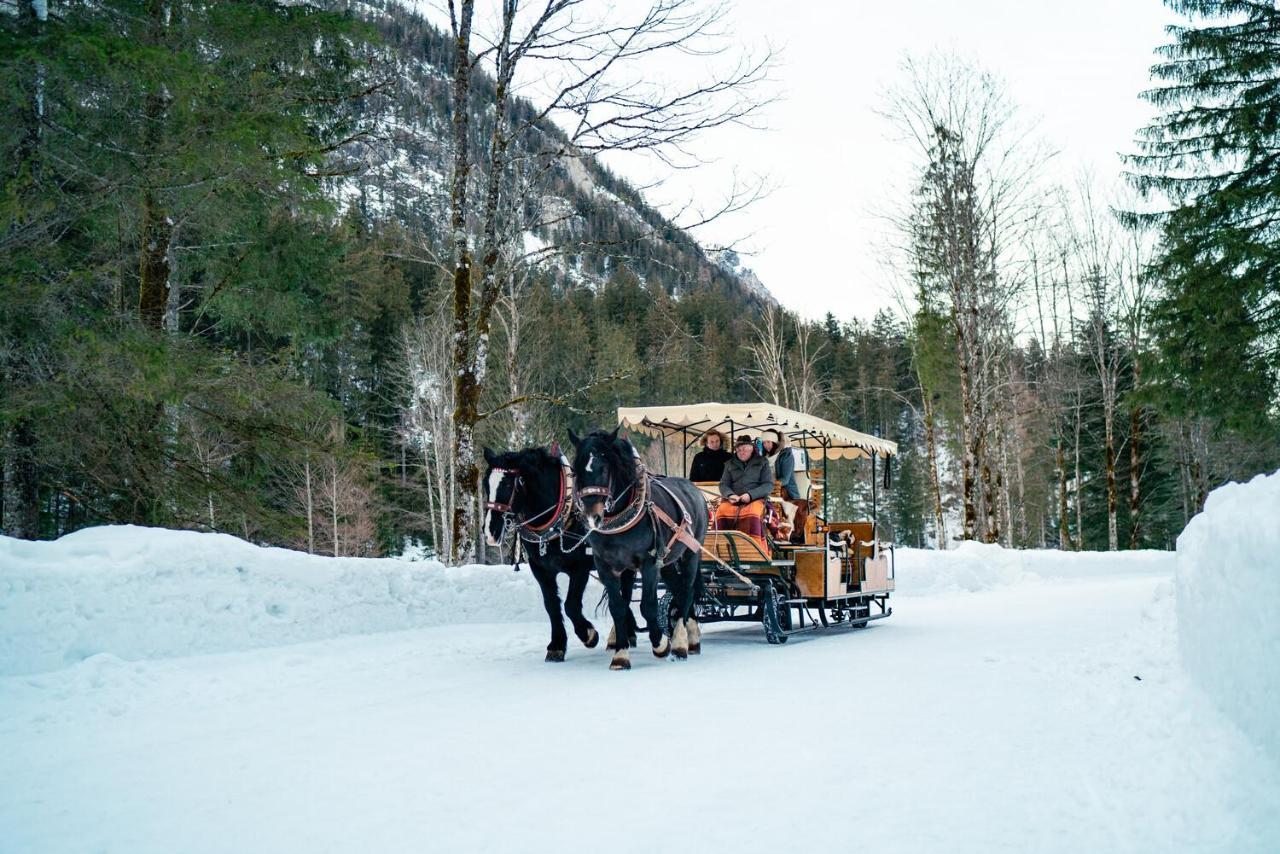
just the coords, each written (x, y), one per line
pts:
(333, 508)
(466, 389)
(157, 226)
(969, 457)
(1113, 537)
(1064, 523)
(1135, 497)
(25, 480)
(1079, 544)
(991, 504)
(931, 447)
(311, 513)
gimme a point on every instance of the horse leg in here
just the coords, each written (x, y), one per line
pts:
(688, 579)
(628, 587)
(573, 607)
(683, 594)
(621, 612)
(551, 601)
(649, 607)
(627, 582)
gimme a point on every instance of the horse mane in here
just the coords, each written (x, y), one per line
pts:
(619, 455)
(527, 458)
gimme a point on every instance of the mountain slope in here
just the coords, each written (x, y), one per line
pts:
(579, 221)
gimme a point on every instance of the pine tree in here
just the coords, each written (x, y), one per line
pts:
(1214, 152)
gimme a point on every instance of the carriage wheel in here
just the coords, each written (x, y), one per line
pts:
(772, 614)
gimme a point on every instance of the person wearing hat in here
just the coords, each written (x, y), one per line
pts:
(708, 464)
(746, 482)
(782, 462)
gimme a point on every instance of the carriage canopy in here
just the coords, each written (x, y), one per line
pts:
(817, 436)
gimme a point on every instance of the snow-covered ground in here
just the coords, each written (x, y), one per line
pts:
(1013, 702)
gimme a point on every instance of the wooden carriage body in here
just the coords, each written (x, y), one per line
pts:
(842, 573)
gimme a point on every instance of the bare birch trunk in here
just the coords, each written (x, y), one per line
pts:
(1135, 496)
(1079, 504)
(333, 506)
(310, 499)
(969, 457)
(1064, 513)
(1113, 537)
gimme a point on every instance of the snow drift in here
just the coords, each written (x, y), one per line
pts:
(973, 567)
(151, 593)
(1228, 589)
(140, 593)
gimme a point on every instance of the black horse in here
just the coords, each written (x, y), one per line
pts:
(640, 522)
(531, 491)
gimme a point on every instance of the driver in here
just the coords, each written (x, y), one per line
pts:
(747, 480)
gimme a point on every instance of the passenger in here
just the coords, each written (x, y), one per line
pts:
(782, 461)
(746, 482)
(708, 464)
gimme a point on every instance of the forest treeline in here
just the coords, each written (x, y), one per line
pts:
(235, 272)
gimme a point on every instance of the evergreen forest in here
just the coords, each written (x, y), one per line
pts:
(281, 269)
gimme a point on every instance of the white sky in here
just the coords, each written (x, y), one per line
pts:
(1076, 68)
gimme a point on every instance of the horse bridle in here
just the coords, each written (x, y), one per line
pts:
(546, 531)
(636, 508)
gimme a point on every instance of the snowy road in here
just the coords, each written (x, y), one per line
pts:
(1009, 720)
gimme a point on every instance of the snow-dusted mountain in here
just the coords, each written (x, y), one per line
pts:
(580, 221)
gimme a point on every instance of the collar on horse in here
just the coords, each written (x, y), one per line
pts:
(631, 514)
(642, 506)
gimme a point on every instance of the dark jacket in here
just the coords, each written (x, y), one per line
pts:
(754, 477)
(784, 469)
(708, 465)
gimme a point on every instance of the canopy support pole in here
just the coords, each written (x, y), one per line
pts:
(826, 484)
(875, 509)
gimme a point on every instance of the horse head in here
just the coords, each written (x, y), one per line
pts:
(604, 470)
(523, 485)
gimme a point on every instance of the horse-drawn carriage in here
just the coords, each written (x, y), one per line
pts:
(604, 512)
(832, 572)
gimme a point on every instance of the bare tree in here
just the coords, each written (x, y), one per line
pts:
(427, 418)
(605, 106)
(973, 200)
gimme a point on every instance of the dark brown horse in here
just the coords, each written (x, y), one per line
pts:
(638, 522)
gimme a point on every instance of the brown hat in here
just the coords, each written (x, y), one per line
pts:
(744, 439)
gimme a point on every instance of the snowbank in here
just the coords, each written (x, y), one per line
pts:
(1228, 587)
(974, 567)
(149, 593)
(141, 593)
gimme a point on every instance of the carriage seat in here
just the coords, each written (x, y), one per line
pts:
(738, 549)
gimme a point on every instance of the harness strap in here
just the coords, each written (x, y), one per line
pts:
(683, 533)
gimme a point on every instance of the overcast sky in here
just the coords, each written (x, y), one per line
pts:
(1076, 68)
(817, 241)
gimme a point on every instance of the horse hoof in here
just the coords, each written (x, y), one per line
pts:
(620, 663)
(695, 649)
(680, 652)
(555, 655)
(663, 648)
(593, 638)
